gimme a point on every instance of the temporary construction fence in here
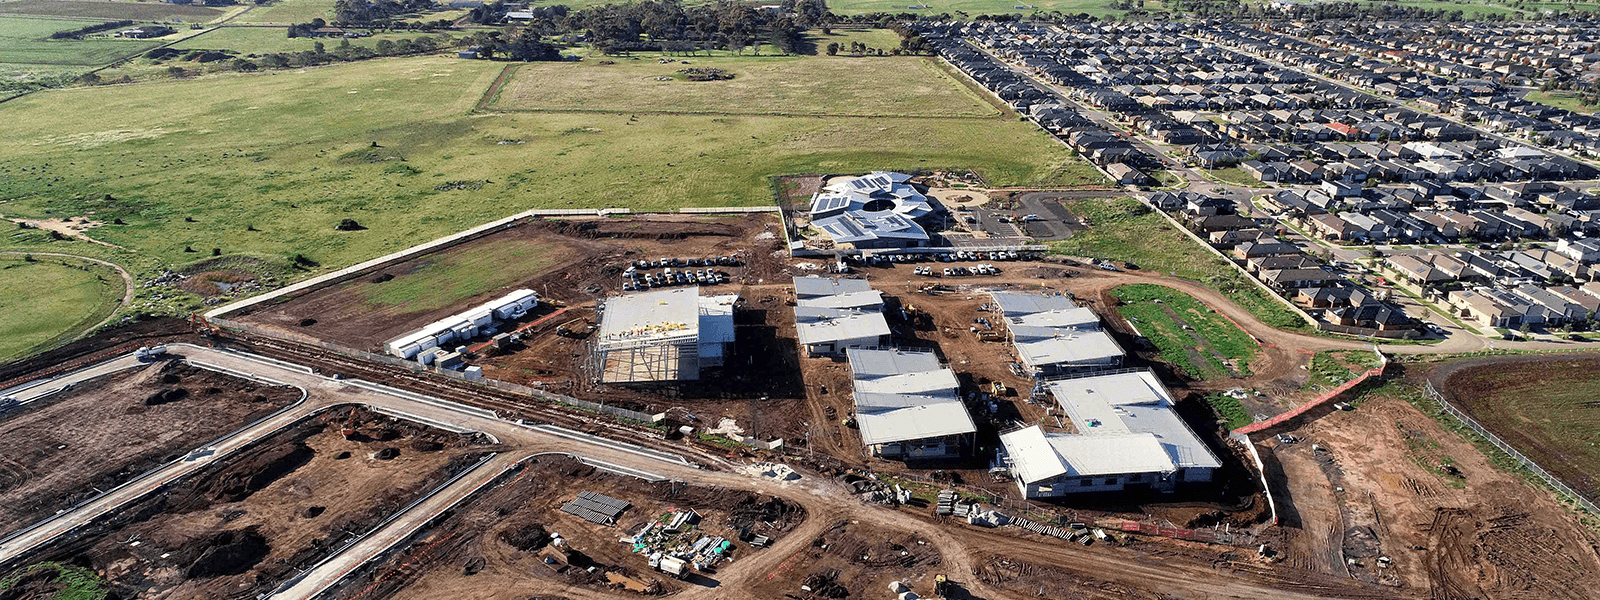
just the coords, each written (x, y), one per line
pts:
(1532, 466)
(1377, 371)
(613, 411)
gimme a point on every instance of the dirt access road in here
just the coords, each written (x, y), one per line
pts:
(826, 502)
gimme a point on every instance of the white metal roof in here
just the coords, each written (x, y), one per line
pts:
(658, 314)
(1032, 456)
(1076, 347)
(1093, 455)
(1015, 303)
(869, 364)
(1132, 403)
(1067, 318)
(938, 417)
(812, 286)
(716, 319)
(863, 299)
(853, 327)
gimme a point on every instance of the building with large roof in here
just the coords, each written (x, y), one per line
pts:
(1053, 335)
(1127, 437)
(877, 210)
(908, 406)
(833, 315)
(662, 336)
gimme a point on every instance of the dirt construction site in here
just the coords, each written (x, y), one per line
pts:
(60, 449)
(244, 525)
(514, 537)
(366, 490)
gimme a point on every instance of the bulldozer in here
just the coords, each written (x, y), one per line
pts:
(997, 388)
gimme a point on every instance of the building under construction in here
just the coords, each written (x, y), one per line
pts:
(662, 336)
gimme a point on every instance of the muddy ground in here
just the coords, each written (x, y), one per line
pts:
(65, 448)
(854, 561)
(1389, 496)
(591, 256)
(496, 546)
(243, 526)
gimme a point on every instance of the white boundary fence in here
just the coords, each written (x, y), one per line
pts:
(1560, 487)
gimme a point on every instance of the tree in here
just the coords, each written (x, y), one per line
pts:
(833, 48)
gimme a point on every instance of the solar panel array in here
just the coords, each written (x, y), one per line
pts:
(595, 508)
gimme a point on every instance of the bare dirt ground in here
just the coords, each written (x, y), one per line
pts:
(495, 547)
(589, 256)
(60, 450)
(244, 525)
(854, 560)
(1389, 482)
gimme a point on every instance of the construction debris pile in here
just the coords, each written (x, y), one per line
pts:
(674, 546)
(950, 504)
(1075, 532)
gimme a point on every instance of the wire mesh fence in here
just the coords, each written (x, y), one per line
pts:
(1532, 466)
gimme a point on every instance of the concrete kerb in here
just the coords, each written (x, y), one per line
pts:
(385, 523)
(143, 477)
(612, 444)
(464, 499)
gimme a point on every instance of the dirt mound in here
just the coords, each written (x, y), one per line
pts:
(876, 550)
(166, 396)
(256, 472)
(216, 283)
(426, 446)
(826, 584)
(229, 553)
(774, 510)
(387, 454)
(528, 538)
(649, 230)
(312, 512)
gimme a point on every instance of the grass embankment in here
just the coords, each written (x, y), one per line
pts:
(1200, 350)
(268, 163)
(51, 300)
(1123, 229)
(1229, 410)
(1332, 368)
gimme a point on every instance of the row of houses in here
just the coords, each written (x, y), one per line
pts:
(1257, 246)
(1533, 287)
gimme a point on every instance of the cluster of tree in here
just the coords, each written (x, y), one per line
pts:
(77, 34)
(309, 29)
(671, 26)
(1587, 93)
(522, 45)
(369, 11)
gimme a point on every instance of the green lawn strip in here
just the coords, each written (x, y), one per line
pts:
(448, 277)
(1561, 99)
(1234, 176)
(1173, 342)
(1232, 414)
(1218, 336)
(51, 300)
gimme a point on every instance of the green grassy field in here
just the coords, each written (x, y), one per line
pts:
(25, 47)
(286, 12)
(1555, 425)
(47, 302)
(1123, 229)
(1160, 313)
(266, 40)
(136, 11)
(446, 278)
(269, 163)
(873, 38)
(765, 85)
(1561, 99)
